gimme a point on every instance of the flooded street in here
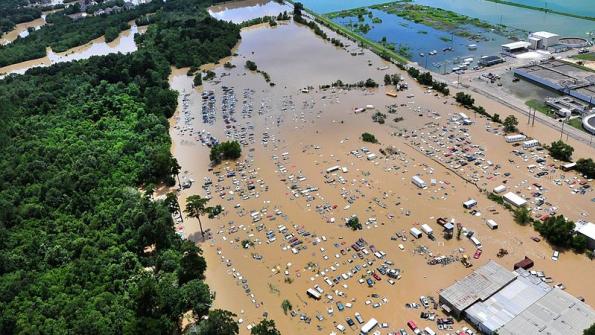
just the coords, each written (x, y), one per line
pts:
(98, 47)
(283, 229)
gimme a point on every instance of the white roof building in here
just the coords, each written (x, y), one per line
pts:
(515, 46)
(514, 199)
(587, 229)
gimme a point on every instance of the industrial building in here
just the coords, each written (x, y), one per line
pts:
(569, 103)
(515, 48)
(543, 40)
(486, 61)
(563, 77)
(477, 286)
(556, 313)
(495, 299)
(589, 123)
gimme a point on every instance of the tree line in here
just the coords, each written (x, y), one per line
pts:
(83, 249)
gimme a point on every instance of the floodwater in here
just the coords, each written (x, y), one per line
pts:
(124, 44)
(495, 13)
(578, 7)
(520, 18)
(292, 137)
(421, 40)
(239, 11)
(22, 30)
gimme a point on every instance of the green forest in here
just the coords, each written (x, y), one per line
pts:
(83, 250)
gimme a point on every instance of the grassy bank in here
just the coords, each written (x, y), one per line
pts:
(588, 57)
(542, 9)
(540, 106)
(379, 49)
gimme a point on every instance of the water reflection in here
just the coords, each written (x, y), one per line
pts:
(123, 44)
(241, 11)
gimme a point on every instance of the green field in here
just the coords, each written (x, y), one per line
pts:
(540, 106)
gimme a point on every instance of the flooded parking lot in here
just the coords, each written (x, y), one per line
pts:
(305, 172)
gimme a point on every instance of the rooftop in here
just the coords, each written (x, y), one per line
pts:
(556, 313)
(544, 34)
(586, 228)
(516, 45)
(509, 302)
(479, 285)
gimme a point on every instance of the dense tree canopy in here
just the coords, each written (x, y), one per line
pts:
(82, 251)
(560, 150)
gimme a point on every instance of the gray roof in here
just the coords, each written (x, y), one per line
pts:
(509, 302)
(556, 313)
(479, 285)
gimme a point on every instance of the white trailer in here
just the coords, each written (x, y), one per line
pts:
(499, 189)
(418, 182)
(371, 156)
(470, 203)
(313, 294)
(427, 229)
(492, 224)
(530, 144)
(515, 138)
(333, 169)
(368, 326)
(415, 232)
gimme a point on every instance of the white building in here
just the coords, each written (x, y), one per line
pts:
(530, 144)
(587, 229)
(514, 199)
(515, 138)
(543, 39)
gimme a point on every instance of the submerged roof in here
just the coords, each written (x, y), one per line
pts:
(479, 285)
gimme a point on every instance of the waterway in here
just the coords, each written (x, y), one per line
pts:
(495, 13)
(123, 44)
(237, 12)
(422, 40)
(577, 7)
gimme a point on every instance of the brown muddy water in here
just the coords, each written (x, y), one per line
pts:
(98, 47)
(292, 135)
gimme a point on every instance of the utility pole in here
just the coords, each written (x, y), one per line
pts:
(534, 114)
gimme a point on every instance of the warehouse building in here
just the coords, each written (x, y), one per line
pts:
(477, 286)
(494, 299)
(556, 313)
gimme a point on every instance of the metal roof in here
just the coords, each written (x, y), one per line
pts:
(556, 313)
(516, 45)
(586, 228)
(509, 302)
(479, 285)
